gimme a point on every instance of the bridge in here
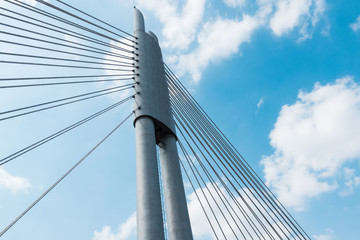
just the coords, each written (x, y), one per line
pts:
(81, 49)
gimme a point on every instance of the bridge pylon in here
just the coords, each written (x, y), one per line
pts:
(154, 124)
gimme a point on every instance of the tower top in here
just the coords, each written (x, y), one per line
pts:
(153, 97)
(139, 23)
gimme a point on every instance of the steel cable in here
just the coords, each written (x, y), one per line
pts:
(70, 53)
(80, 18)
(61, 132)
(216, 187)
(197, 173)
(247, 217)
(207, 118)
(198, 124)
(59, 105)
(65, 59)
(66, 4)
(65, 31)
(65, 77)
(287, 219)
(230, 169)
(287, 224)
(199, 135)
(61, 178)
(64, 83)
(252, 188)
(127, 86)
(192, 185)
(103, 52)
(65, 66)
(57, 18)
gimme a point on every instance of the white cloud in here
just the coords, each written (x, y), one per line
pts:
(235, 3)
(329, 235)
(290, 14)
(220, 39)
(217, 41)
(13, 183)
(179, 28)
(125, 231)
(356, 25)
(313, 139)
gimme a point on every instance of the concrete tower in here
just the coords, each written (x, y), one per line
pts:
(154, 124)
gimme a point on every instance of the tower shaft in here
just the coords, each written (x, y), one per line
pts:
(154, 124)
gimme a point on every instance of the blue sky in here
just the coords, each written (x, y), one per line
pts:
(281, 78)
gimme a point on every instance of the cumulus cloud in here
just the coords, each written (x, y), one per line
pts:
(290, 14)
(356, 25)
(287, 15)
(13, 183)
(313, 140)
(217, 41)
(220, 39)
(125, 231)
